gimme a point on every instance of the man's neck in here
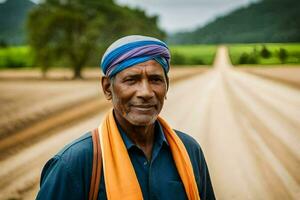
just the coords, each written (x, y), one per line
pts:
(142, 136)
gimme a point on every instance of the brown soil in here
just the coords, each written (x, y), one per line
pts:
(289, 75)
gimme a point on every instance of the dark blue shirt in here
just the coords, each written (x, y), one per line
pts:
(67, 175)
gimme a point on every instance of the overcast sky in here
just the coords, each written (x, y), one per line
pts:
(183, 15)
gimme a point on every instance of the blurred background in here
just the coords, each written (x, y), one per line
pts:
(235, 85)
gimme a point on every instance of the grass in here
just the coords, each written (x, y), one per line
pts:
(254, 50)
(16, 57)
(192, 54)
(22, 56)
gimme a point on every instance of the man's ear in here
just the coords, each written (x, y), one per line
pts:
(106, 83)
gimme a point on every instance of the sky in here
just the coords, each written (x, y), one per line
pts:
(184, 15)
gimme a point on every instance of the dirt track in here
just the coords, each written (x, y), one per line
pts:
(247, 126)
(289, 75)
(249, 130)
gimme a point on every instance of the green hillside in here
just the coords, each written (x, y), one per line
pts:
(264, 21)
(12, 20)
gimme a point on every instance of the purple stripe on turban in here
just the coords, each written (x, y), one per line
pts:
(149, 50)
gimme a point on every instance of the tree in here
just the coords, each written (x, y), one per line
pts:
(243, 58)
(253, 59)
(282, 54)
(265, 53)
(68, 32)
(250, 58)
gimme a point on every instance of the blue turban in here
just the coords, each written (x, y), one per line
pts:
(132, 50)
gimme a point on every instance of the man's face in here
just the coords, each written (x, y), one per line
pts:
(138, 93)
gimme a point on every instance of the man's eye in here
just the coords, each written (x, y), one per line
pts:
(130, 80)
(157, 80)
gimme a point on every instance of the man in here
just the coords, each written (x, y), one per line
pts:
(142, 157)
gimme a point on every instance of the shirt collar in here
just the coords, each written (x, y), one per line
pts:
(159, 138)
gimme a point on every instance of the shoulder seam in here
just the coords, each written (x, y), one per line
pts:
(71, 145)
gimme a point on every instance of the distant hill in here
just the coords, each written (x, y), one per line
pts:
(12, 20)
(263, 21)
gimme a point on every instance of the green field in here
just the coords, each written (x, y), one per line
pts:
(22, 56)
(193, 54)
(16, 57)
(252, 54)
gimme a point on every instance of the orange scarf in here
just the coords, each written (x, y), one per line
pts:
(120, 178)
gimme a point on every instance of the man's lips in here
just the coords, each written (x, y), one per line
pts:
(144, 106)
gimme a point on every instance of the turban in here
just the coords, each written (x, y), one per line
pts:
(132, 50)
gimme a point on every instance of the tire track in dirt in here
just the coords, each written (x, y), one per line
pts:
(281, 148)
(277, 79)
(231, 161)
(265, 145)
(242, 148)
(279, 98)
(21, 172)
(25, 103)
(49, 126)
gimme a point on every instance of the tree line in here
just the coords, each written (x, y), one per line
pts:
(267, 21)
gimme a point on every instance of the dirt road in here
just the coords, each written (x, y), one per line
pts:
(248, 127)
(289, 75)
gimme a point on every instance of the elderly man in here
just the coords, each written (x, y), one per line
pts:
(141, 156)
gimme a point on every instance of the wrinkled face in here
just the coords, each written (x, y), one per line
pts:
(138, 93)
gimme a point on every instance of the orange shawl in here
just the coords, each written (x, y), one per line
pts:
(120, 178)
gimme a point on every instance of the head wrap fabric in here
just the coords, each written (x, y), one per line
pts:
(132, 50)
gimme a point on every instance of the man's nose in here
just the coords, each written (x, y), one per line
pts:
(145, 90)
